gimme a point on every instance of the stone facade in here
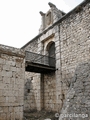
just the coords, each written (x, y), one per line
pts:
(71, 35)
(12, 75)
(49, 92)
(32, 89)
(67, 89)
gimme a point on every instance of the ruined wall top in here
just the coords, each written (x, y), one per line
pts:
(50, 17)
(12, 51)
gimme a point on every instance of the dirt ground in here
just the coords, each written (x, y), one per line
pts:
(39, 115)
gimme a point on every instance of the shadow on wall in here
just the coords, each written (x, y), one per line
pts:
(29, 95)
(77, 103)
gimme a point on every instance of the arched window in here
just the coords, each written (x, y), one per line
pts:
(51, 50)
(51, 53)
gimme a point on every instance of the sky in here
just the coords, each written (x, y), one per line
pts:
(20, 19)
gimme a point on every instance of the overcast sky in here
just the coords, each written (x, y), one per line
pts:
(20, 19)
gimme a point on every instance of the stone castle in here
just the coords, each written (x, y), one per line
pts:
(51, 71)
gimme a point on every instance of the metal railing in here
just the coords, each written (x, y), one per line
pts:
(40, 59)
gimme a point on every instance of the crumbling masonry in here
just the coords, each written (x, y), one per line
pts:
(52, 71)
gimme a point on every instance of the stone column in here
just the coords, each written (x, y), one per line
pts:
(58, 69)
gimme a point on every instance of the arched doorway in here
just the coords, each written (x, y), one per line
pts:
(52, 50)
(51, 53)
(48, 80)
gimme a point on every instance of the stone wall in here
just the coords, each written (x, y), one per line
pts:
(49, 92)
(32, 91)
(71, 35)
(77, 103)
(75, 67)
(75, 43)
(12, 74)
(32, 83)
(32, 46)
(65, 90)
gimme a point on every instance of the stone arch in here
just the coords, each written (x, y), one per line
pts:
(51, 49)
